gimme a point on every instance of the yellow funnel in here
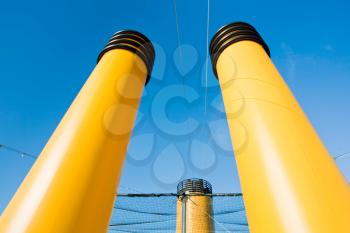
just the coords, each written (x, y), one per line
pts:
(71, 187)
(290, 183)
(194, 207)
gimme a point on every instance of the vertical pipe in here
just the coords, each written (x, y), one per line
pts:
(180, 223)
(72, 185)
(184, 214)
(290, 183)
(194, 210)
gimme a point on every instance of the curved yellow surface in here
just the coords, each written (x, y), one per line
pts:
(198, 214)
(72, 185)
(290, 183)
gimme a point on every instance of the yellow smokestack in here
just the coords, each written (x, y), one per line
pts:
(194, 207)
(290, 183)
(71, 187)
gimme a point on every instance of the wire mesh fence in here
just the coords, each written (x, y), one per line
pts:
(140, 213)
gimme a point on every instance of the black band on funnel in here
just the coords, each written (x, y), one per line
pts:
(230, 34)
(134, 42)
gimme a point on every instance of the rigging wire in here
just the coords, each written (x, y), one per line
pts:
(180, 54)
(207, 57)
(179, 43)
(342, 155)
(177, 27)
(177, 195)
(222, 226)
(17, 151)
(23, 153)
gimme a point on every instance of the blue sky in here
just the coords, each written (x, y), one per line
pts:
(48, 49)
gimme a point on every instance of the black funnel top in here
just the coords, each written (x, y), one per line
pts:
(230, 34)
(194, 186)
(134, 42)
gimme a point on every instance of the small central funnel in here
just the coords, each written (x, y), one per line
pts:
(194, 207)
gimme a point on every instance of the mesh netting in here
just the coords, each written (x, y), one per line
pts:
(140, 213)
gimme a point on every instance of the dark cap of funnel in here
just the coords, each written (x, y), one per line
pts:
(230, 34)
(194, 186)
(135, 42)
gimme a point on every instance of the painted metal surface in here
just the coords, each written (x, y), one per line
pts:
(72, 185)
(290, 182)
(198, 214)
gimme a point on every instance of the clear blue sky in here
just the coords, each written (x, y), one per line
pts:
(48, 49)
